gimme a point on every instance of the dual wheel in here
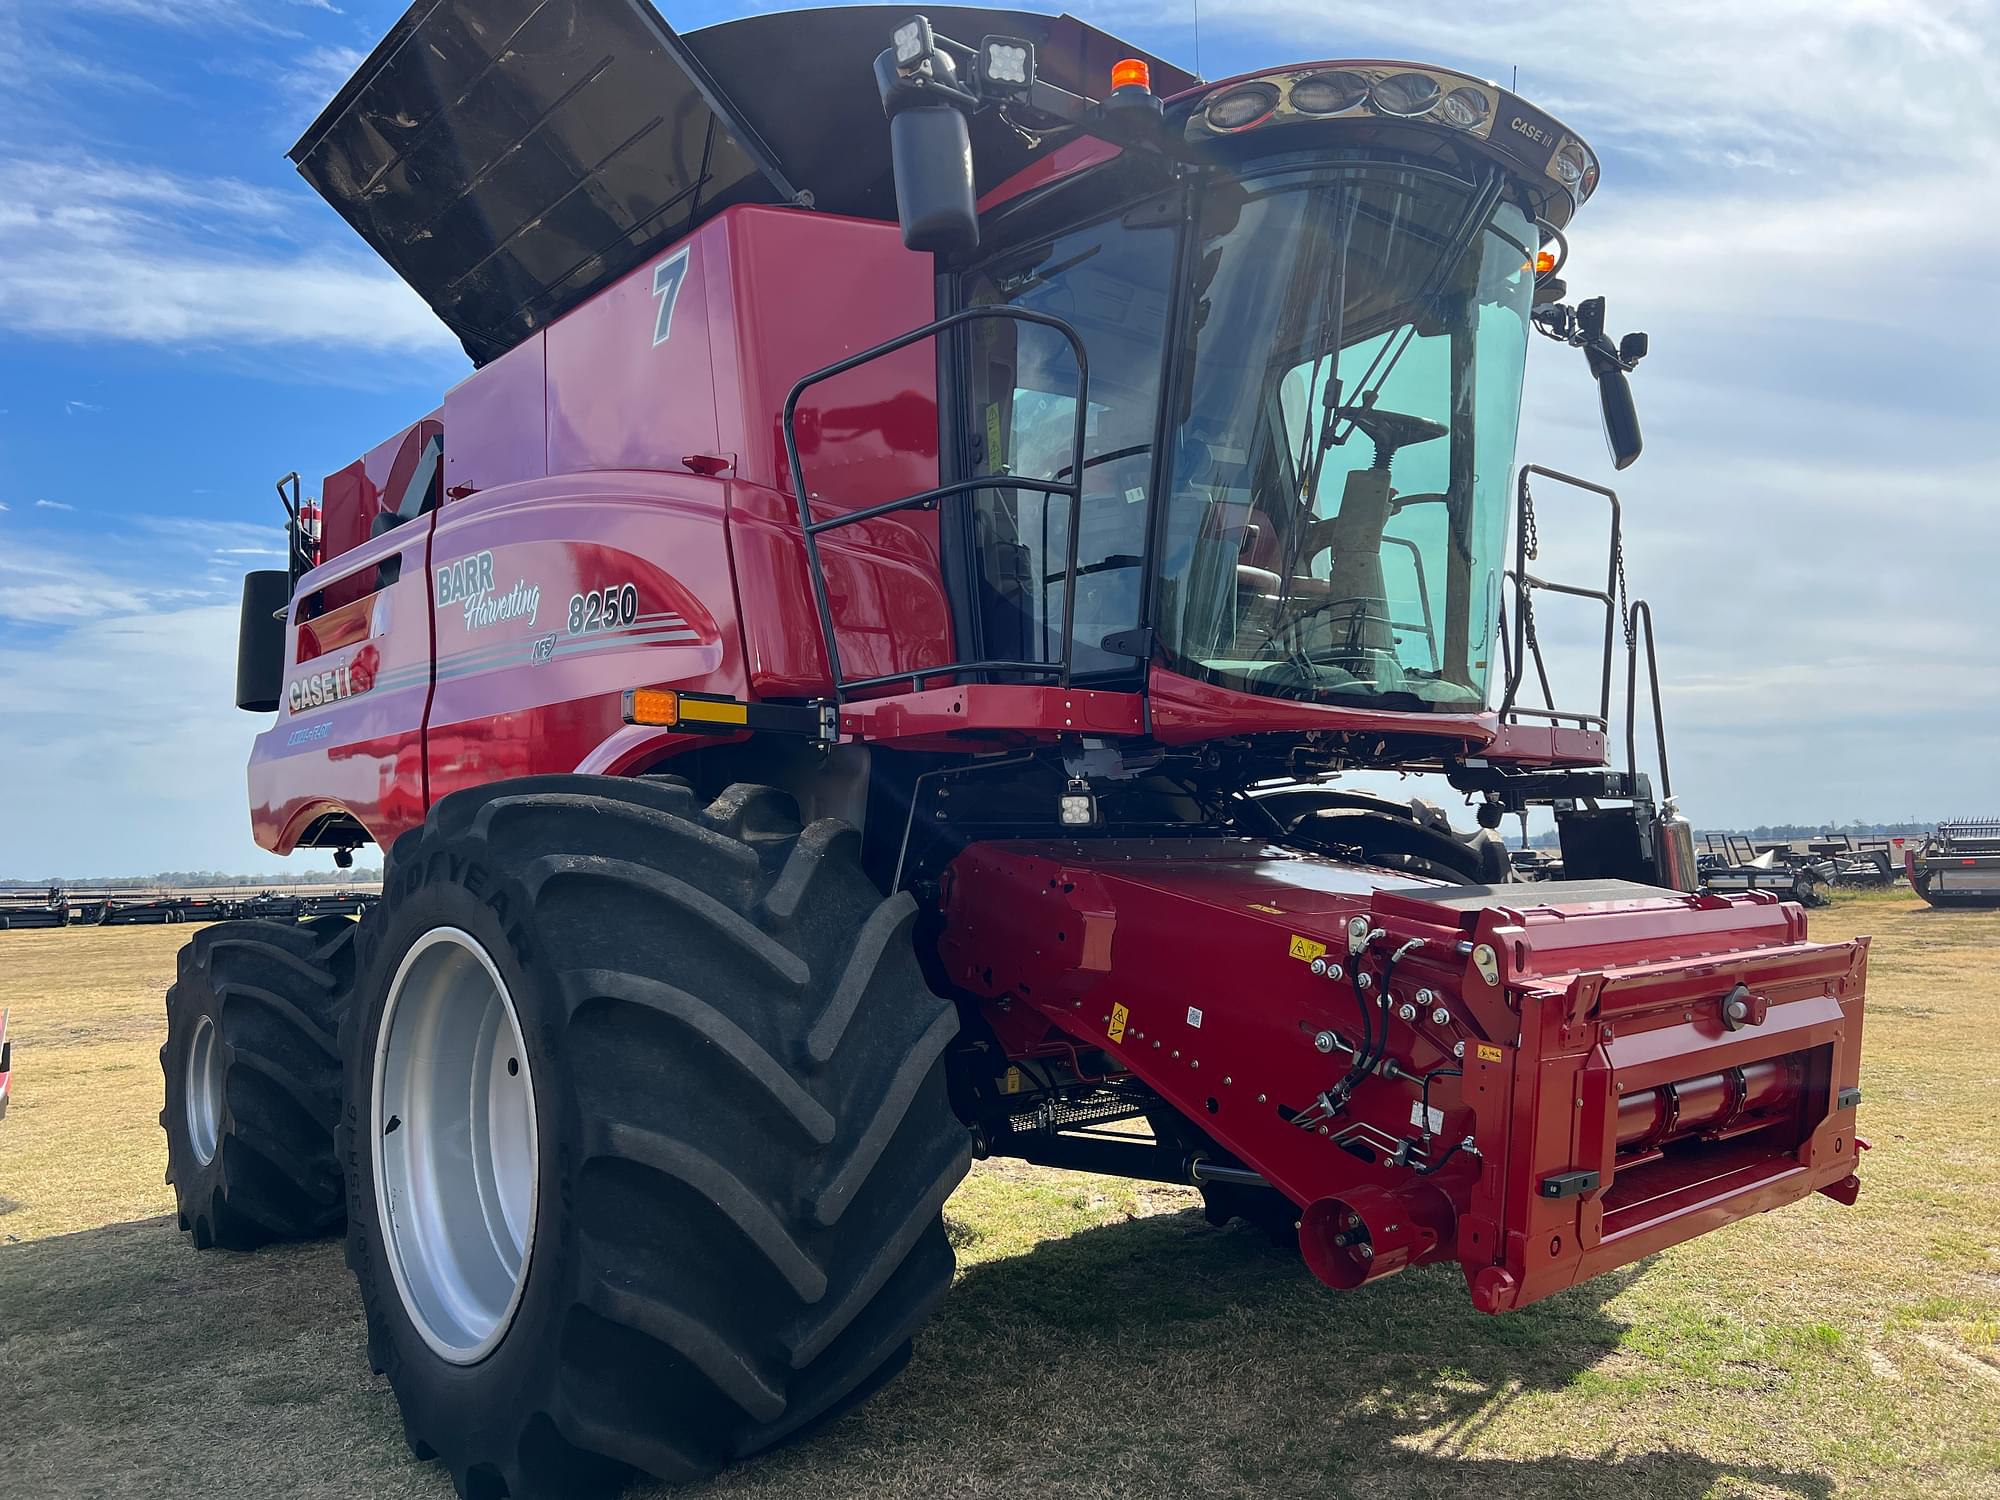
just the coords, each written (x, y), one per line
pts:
(252, 1071)
(642, 1129)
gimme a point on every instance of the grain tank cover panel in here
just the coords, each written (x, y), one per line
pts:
(508, 158)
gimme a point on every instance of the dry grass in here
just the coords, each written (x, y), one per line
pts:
(1102, 1340)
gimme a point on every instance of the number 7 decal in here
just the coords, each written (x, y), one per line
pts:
(667, 278)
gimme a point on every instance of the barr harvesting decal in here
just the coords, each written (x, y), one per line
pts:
(469, 582)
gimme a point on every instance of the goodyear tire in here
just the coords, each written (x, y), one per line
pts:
(711, 1033)
(252, 1081)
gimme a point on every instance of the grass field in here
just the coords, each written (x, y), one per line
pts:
(1102, 1340)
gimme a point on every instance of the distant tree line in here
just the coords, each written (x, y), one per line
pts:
(1854, 828)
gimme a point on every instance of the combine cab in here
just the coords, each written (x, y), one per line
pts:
(1958, 864)
(858, 679)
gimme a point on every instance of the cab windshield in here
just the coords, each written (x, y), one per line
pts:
(1331, 502)
(1337, 507)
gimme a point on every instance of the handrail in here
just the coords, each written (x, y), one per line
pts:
(1642, 611)
(1525, 583)
(301, 543)
(811, 529)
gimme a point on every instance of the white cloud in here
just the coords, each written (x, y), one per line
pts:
(120, 747)
(137, 708)
(91, 249)
(195, 14)
(317, 75)
(160, 563)
(1801, 87)
(52, 505)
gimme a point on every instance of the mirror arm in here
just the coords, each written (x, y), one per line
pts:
(1582, 327)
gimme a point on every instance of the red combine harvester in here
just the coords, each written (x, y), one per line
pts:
(855, 681)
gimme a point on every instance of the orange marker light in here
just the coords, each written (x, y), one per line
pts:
(1545, 262)
(1132, 73)
(659, 706)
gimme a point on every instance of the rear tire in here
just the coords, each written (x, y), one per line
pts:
(252, 1082)
(741, 1140)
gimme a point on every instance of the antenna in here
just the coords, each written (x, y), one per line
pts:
(1197, 38)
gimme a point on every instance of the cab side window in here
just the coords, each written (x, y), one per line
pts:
(1109, 282)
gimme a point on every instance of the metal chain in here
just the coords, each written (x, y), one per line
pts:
(1624, 605)
(1530, 536)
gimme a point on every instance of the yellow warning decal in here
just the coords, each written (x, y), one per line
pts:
(1271, 910)
(1013, 1082)
(995, 454)
(1116, 1030)
(1306, 949)
(1490, 1053)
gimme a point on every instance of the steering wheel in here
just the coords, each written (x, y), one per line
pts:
(1390, 431)
(1369, 605)
(1289, 643)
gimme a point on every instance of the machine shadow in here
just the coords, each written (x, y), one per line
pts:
(1186, 1360)
(133, 1364)
(1153, 1357)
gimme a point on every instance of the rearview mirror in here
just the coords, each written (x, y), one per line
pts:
(1610, 364)
(260, 640)
(1621, 417)
(930, 148)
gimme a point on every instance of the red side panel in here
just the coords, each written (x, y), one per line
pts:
(630, 384)
(576, 555)
(352, 499)
(802, 292)
(349, 502)
(497, 423)
(551, 598)
(350, 726)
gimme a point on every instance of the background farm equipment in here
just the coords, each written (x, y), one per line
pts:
(96, 906)
(1733, 862)
(1862, 864)
(1794, 877)
(46, 909)
(1958, 864)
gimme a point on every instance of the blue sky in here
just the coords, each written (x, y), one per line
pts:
(1798, 206)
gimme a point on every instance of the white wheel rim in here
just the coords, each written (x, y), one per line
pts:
(455, 1154)
(204, 1091)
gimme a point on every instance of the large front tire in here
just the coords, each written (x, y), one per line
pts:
(731, 1100)
(252, 1078)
